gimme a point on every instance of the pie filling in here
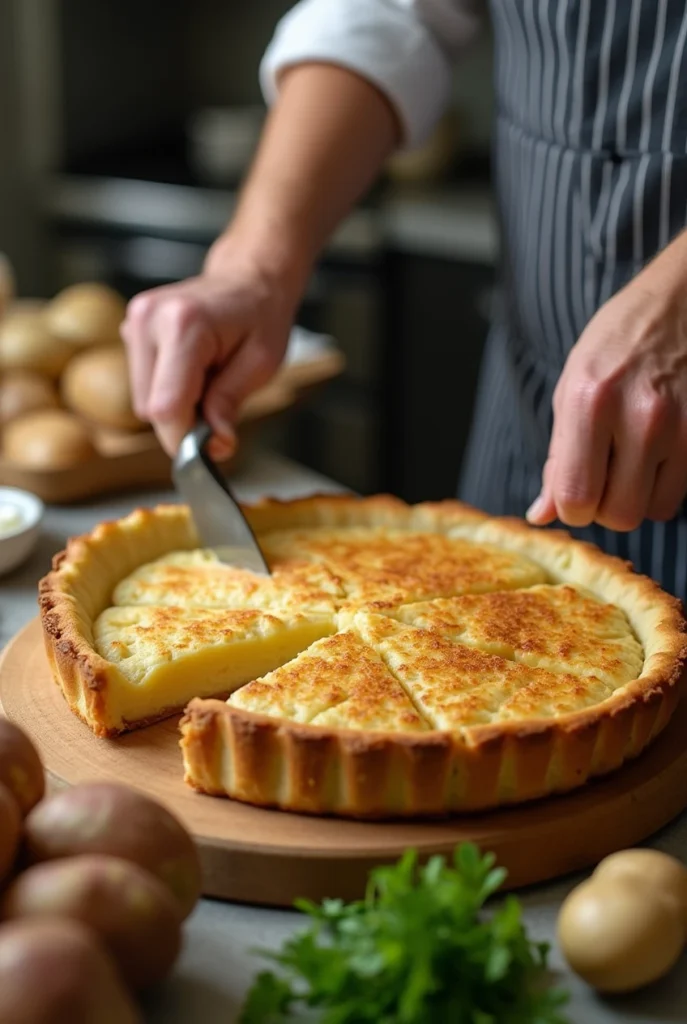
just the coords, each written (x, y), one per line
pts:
(365, 629)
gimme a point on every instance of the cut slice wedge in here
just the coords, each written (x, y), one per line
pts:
(557, 628)
(340, 681)
(455, 687)
(185, 653)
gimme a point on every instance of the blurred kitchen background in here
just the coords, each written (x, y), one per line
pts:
(126, 126)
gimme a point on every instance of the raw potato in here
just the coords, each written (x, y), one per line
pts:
(87, 314)
(26, 343)
(96, 385)
(56, 972)
(649, 869)
(10, 832)
(48, 439)
(101, 817)
(22, 391)
(135, 916)
(619, 936)
(20, 766)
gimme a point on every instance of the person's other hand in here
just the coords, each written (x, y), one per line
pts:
(212, 339)
(618, 452)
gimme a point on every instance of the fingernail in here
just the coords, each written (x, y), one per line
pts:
(220, 451)
(224, 430)
(535, 509)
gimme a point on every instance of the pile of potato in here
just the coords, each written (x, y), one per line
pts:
(64, 382)
(95, 883)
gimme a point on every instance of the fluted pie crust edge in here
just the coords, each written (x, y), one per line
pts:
(275, 762)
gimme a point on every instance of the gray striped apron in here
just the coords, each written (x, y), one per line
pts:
(591, 175)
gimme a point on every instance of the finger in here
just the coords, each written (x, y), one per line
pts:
(643, 440)
(630, 482)
(670, 488)
(185, 348)
(670, 485)
(542, 511)
(250, 367)
(140, 348)
(583, 446)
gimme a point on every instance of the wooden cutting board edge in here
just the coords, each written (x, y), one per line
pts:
(269, 857)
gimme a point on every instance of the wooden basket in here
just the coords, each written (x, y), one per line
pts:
(137, 460)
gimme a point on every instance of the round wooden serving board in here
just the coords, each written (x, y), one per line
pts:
(271, 857)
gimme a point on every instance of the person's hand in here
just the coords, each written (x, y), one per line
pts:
(214, 338)
(618, 452)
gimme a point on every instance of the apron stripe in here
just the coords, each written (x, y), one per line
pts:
(578, 74)
(549, 60)
(638, 213)
(647, 98)
(672, 85)
(630, 71)
(598, 130)
(563, 264)
(563, 89)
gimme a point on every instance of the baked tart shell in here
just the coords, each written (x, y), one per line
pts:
(306, 768)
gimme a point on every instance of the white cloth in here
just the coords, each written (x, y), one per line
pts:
(404, 47)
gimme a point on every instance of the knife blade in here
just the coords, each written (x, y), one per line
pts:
(218, 517)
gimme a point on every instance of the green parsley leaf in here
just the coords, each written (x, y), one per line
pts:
(268, 1001)
(417, 949)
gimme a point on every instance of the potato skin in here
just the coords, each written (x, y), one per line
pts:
(618, 936)
(135, 917)
(56, 972)
(20, 766)
(103, 817)
(651, 870)
(10, 831)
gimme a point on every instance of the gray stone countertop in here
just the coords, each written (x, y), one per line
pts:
(217, 965)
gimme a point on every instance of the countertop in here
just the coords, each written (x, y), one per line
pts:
(217, 966)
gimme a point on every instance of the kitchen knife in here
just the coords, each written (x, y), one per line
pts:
(220, 523)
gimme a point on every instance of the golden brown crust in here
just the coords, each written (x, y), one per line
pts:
(315, 769)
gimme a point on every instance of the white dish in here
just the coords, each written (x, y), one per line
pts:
(17, 541)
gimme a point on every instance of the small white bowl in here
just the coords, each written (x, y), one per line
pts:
(18, 543)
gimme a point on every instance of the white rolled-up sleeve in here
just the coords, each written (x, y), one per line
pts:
(406, 48)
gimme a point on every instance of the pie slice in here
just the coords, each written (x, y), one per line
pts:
(161, 654)
(387, 567)
(557, 628)
(197, 579)
(341, 682)
(456, 687)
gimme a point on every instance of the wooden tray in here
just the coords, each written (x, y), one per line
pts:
(137, 460)
(270, 857)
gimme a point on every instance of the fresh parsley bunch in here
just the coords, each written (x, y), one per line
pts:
(417, 950)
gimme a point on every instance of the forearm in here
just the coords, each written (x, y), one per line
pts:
(325, 141)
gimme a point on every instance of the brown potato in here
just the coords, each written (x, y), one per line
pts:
(95, 385)
(20, 766)
(134, 915)
(648, 869)
(47, 439)
(26, 343)
(10, 831)
(56, 972)
(617, 935)
(101, 817)
(22, 391)
(87, 314)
